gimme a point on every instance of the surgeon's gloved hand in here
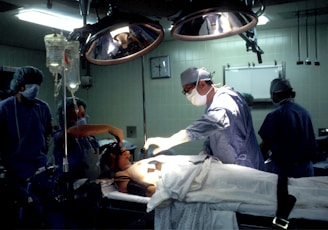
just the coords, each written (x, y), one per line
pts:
(163, 143)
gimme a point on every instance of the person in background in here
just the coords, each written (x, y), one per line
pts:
(78, 170)
(81, 140)
(227, 122)
(288, 138)
(26, 131)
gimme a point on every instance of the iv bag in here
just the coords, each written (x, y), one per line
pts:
(72, 65)
(55, 46)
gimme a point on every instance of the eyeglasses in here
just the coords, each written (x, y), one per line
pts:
(188, 88)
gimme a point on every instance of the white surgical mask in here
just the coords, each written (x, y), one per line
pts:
(195, 98)
(31, 91)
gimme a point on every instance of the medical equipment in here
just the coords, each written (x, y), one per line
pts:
(63, 58)
(55, 46)
(72, 67)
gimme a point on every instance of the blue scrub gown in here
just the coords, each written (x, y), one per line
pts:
(24, 129)
(228, 126)
(289, 128)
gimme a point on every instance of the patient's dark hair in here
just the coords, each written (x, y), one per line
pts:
(106, 160)
(70, 104)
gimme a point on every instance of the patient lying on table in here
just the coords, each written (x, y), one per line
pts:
(202, 178)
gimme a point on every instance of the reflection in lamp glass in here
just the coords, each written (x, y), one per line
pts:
(118, 38)
(204, 22)
(124, 46)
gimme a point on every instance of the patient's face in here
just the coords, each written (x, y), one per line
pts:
(123, 160)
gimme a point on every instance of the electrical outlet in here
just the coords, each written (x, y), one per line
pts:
(131, 131)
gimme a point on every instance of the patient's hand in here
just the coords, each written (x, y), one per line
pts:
(150, 190)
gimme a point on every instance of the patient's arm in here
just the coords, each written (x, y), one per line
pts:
(140, 172)
(127, 185)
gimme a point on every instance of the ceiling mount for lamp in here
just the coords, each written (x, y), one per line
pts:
(205, 20)
(118, 38)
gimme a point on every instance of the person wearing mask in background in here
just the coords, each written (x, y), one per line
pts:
(26, 130)
(288, 138)
(227, 123)
(81, 142)
(82, 156)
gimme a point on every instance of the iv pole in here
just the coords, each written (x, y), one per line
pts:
(84, 10)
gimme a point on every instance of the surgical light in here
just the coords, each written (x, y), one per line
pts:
(118, 38)
(205, 20)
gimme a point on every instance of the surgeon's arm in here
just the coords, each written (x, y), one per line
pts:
(163, 143)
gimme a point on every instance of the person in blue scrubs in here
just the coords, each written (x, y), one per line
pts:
(26, 131)
(79, 168)
(25, 124)
(81, 141)
(288, 138)
(226, 124)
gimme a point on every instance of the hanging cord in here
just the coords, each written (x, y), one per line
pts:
(299, 62)
(57, 84)
(307, 61)
(316, 62)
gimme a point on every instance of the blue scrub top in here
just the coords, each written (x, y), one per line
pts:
(78, 150)
(227, 124)
(23, 140)
(289, 129)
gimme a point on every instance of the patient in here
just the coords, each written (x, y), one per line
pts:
(134, 178)
(202, 178)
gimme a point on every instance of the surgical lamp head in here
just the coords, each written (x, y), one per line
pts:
(26, 75)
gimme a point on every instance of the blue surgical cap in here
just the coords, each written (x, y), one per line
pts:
(69, 105)
(280, 85)
(192, 74)
(26, 75)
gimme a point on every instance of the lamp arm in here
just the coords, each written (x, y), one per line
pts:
(251, 43)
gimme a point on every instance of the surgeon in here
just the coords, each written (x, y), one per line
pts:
(288, 139)
(25, 132)
(226, 124)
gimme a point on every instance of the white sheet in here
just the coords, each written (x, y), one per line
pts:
(109, 191)
(239, 189)
(207, 195)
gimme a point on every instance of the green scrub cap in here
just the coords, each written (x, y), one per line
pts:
(26, 75)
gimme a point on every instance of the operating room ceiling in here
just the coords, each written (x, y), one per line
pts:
(282, 13)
